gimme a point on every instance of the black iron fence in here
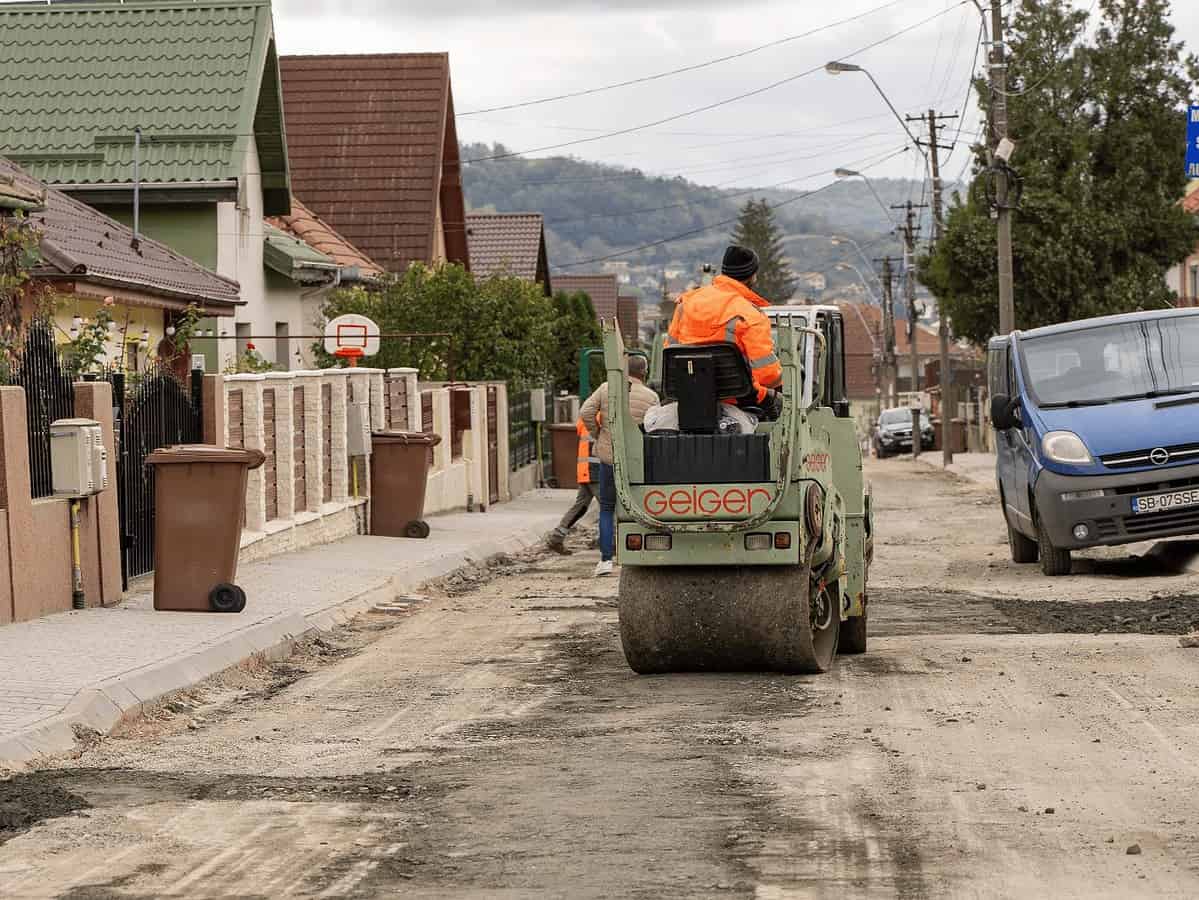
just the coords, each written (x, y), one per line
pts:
(154, 409)
(522, 430)
(49, 396)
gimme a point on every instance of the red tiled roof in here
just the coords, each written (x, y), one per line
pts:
(82, 244)
(602, 289)
(374, 151)
(1190, 203)
(508, 243)
(628, 315)
(305, 225)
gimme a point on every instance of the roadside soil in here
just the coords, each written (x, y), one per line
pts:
(486, 739)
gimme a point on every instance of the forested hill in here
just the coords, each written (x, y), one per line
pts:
(594, 210)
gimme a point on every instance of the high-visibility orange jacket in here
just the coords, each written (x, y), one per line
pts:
(727, 310)
(588, 465)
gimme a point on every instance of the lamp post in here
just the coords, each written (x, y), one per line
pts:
(851, 173)
(845, 267)
(840, 68)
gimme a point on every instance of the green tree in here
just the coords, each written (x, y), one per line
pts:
(1100, 129)
(758, 230)
(575, 328)
(501, 329)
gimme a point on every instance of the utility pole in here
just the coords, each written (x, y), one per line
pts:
(910, 230)
(999, 136)
(948, 406)
(890, 370)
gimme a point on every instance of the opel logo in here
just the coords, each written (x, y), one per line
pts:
(1160, 456)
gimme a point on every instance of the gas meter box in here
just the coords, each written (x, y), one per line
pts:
(78, 458)
(358, 428)
(537, 404)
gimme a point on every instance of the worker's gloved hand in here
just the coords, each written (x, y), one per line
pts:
(772, 405)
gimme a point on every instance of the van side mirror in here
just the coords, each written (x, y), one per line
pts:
(1003, 412)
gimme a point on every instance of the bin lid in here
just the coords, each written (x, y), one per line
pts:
(563, 426)
(417, 438)
(205, 453)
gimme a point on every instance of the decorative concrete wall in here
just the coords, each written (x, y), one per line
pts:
(35, 535)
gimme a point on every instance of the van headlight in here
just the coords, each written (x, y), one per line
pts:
(1066, 447)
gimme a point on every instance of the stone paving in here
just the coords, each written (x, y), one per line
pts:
(45, 664)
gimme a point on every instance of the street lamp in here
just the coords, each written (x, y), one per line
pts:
(851, 173)
(840, 68)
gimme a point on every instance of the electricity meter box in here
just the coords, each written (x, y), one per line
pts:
(78, 458)
(358, 428)
(537, 404)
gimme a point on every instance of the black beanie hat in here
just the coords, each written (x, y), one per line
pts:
(740, 263)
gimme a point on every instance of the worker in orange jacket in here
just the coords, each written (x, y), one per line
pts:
(729, 310)
(587, 475)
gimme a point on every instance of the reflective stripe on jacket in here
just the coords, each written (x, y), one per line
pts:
(727, 310)
(588, 464)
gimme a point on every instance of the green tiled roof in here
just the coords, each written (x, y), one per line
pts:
(292, 257)
(199, 78)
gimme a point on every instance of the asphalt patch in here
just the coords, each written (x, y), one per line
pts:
(27, 802)
(1157, 615)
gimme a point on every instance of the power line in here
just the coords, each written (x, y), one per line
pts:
(711, 106)
(692, 68)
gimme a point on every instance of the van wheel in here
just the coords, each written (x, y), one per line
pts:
(1054, 562)
(1024, 549)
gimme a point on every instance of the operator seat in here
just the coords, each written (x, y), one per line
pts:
(698, 377)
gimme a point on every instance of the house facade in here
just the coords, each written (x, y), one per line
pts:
(174, 128)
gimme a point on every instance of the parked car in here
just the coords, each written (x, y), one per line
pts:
(893, 432)
(1098, 433)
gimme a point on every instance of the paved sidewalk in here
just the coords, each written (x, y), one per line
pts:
(94, 667)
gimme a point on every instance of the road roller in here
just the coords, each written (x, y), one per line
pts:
(743, 546)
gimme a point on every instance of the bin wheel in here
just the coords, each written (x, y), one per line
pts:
(227, 598)
(419, 530)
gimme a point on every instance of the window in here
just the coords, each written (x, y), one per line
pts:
(282, 347)
(1193, 283)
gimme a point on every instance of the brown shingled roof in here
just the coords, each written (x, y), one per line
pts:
(508, 243)
(374, 152)
(602, 289)
(305, 225)
(84, 245)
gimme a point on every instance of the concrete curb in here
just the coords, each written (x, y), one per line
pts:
(105, 706)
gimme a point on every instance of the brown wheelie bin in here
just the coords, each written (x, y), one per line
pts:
(199, 506)
(564, 441)
(399, 476)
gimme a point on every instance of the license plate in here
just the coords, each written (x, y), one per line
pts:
(1152, 503)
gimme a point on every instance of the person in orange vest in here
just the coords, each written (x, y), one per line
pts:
(587, 474)
(729, 310)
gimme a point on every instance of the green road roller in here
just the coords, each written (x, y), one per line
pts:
(743, 545)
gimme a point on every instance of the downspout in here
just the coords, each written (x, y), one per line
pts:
(137, 186)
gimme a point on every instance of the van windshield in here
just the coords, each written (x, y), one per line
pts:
(1111, 363)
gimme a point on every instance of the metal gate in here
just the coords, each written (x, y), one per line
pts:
(49, 396)
(156, 410)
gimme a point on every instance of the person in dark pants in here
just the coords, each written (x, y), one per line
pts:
(587, 474)
(595, 416)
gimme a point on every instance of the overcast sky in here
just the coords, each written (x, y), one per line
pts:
(519, 50)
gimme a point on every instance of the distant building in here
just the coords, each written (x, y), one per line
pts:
(628, 315)
(509, 244)
(1183, 278)
(602, 289)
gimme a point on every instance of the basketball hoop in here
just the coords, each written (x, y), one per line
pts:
(350, 354)
(351, 338)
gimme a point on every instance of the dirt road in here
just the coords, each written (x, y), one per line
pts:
(491, 742)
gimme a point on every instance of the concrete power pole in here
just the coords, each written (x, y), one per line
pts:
(999, 135)
(909, 230)
(948, 405)
(890, 370)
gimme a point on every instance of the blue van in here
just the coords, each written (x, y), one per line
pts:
(1097, 433)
